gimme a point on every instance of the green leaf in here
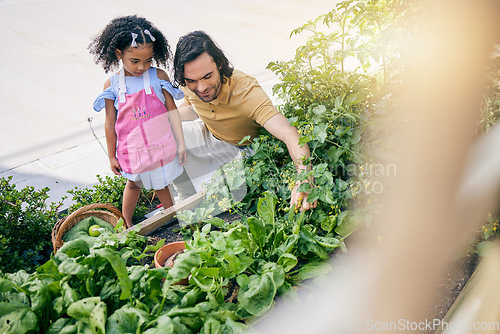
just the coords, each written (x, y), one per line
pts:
(314, 269)
(127, 319)
(190, 298)
(154, 248)
(244, 140)
(309, 244)
(265, 207)
(287, 261)
(6, 285)
(211, 326)
(341, 216)
(314, 194)
(39, 295)
(328, 242)
(328, 223)
(304, 187)
(75, 248)
(341, 184)
(356, 137)
(165, 324)
(328, 197)
(206, 229)
(294, 88)
(98, 318)
(258, 231)
(334, 154)
(297, 221)
(210, 272)
(304, 140)
(8, 307)
(257, 296)
(183, 265)
(73, 268)
(347, 226)
(63, 325)
(81, 309)
(67, 296)
(19, 321)
(318, 110)
(236, 327)
(289, 245)
(119, 225)
(321, 135)
(218, 240)
(119, 267)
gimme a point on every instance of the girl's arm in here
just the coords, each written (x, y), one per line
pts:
(109, 130)
(175, 120)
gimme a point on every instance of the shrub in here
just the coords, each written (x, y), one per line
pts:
(26, 222)
(110, 190)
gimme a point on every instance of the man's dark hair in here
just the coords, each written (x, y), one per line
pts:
(191, 46)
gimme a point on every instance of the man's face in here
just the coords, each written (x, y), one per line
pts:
(202, 77)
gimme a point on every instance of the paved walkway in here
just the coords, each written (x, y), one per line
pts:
(49, 80)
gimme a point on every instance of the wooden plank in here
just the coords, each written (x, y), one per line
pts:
(165, 216)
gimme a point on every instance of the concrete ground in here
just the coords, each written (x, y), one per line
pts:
(50, 135)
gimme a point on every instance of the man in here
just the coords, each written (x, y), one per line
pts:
(230, 105)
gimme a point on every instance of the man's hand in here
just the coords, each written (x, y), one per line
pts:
(300, 199)
(279, 127)
(115, 166)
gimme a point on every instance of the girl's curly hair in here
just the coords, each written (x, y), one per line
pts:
(118, 35)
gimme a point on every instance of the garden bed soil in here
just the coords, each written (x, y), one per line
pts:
(169, 230)
(450, 285)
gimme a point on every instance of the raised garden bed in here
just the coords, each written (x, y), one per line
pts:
(450, 287)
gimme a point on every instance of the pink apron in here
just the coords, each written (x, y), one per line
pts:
(144, 137)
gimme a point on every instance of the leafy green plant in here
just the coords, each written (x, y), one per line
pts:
(26, 222)
(332, 91)
(79, 287)
(250, 262)
(100, 289)
(332, 104)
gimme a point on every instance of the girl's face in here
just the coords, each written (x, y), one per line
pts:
(136, 60)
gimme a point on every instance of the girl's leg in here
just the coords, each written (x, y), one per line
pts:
(131, 195)
(165, 197)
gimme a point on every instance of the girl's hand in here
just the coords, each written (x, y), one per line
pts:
(181, 151)
(115, 166)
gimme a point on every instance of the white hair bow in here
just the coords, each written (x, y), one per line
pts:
(134, 43)
(147, 32)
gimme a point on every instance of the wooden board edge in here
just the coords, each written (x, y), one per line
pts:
(165, 216)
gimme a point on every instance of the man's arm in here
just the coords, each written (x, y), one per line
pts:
(186, 112)
(278, 126)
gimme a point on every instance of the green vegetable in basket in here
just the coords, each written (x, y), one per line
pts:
(81, 230)
(95, 230)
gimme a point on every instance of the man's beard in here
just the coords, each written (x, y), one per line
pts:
(211, 97)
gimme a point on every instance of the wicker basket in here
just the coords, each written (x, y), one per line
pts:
(65, 224)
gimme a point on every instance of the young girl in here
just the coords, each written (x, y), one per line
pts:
(141, 116)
